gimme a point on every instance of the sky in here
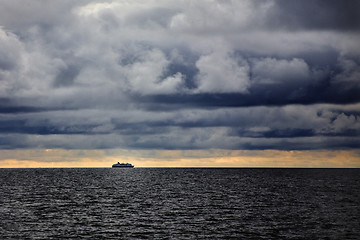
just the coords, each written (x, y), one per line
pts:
(180, 83)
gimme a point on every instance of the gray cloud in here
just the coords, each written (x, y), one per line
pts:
(179, 74)
(315, 15)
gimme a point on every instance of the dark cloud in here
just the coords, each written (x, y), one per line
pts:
(6, 65)
(66, 76)
(42, 128)
(155, 74)
(280, 133)
(315, 15)
(261, 95)
(20, 109)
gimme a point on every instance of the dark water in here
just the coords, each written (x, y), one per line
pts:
(180, 203)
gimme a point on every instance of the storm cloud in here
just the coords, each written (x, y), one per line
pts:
(180, 74)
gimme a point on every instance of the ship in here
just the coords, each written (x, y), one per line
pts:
(122, 165)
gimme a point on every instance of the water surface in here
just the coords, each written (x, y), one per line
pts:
(175, 203)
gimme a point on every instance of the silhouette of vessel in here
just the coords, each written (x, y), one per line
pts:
(122, 165)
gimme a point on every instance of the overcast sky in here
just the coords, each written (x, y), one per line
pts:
(180, 75)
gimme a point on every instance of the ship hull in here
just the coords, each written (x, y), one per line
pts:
(123, 166)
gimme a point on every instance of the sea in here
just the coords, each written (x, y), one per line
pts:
(179, 203)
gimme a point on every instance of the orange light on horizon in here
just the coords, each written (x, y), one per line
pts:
(59, 158)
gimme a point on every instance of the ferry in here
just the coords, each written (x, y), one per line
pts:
(122, 165)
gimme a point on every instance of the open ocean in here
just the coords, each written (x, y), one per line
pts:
(180, 203)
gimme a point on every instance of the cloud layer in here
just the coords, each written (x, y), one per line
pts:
(180, 74)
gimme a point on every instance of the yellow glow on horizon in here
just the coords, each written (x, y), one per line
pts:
(60, 158)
